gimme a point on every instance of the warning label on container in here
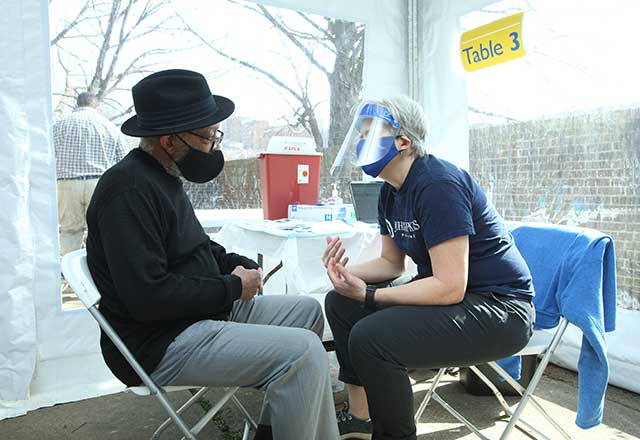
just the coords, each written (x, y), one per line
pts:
(303, 173)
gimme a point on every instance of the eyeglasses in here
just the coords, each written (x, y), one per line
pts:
(216, 140)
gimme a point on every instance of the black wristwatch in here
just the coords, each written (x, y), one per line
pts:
(369, 298)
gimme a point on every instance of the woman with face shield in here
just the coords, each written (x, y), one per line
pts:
(470, 302)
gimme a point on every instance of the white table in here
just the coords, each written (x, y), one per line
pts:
(215, 218)
(299, 249)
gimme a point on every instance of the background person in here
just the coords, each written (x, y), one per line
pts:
(86, 145)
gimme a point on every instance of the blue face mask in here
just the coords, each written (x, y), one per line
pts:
(384, 143)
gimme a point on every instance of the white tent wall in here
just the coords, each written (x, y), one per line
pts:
(440, 81)
(46, 356)
(18, 344)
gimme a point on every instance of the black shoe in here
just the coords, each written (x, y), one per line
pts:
(263, 433)
(351, 427)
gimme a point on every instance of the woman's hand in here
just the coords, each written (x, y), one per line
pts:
(335, 250)
(344, 282)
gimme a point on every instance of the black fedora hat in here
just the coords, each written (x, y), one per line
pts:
(174, 101)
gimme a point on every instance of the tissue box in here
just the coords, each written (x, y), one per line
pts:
(322, 213)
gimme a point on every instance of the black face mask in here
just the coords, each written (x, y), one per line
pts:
(200, 167)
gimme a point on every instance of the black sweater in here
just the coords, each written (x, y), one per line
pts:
(154, 265)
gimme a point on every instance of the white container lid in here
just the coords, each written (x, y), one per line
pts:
(292, 145)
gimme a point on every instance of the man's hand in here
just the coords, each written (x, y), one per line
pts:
(259, 269)
(344, 282)
(251, 281)
(335, 250)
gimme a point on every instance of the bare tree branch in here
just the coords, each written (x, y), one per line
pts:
(81, 37)
(121, 42)
(72, 24)
(282, 28)
(123, 113)
(312, 37)
(244, 63)
(501, 11)
(343, 39)
(67, 86)
(488, 113)
(288, 32)
(244, 5)
(323, 31)
(134, 68)
(97, 77)
(108, 27)
(305, 113)
(155, 28)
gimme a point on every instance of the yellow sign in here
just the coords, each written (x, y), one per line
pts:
(492, 43)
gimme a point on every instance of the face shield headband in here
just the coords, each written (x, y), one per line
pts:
(370, 140)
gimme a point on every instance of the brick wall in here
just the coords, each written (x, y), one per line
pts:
(581, 169)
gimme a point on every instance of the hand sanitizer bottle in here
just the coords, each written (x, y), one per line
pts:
(335, 198)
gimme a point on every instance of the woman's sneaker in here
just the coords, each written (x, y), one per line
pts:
(351, 427)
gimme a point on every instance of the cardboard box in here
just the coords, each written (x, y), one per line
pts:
(322, 213)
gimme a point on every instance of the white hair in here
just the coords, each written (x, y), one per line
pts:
(148, 144)
(413, 122)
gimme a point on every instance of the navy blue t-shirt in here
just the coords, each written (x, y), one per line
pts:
(439, 201)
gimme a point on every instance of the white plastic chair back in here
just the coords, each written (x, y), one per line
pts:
(76, 272)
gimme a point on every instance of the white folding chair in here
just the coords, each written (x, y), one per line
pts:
(76, 272)
(542, 343)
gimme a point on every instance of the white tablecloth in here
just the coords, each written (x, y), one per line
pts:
(299, 248)
(215, 218)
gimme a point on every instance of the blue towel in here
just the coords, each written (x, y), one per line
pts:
(574, 275)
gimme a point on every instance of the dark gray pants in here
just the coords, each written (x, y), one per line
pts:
(270, 343)
(375, 349)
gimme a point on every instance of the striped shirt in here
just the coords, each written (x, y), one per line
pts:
(86, 144)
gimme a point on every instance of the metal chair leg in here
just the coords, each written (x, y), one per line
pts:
(431, 394)
(213, 411)
(505, 406)
(459, 416)
(153, 388)
(527, 396)
(169, 420)
(247, 429)
(176, 418)
(229, 395)
(425, 401)
(521, 390)
(247, 417)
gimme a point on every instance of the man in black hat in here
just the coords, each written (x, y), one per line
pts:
(185, 307)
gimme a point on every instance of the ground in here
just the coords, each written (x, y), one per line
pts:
(125, 416)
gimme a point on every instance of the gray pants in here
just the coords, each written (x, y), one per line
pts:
(267, 345)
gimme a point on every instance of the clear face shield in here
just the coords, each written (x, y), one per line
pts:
(370, 141)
